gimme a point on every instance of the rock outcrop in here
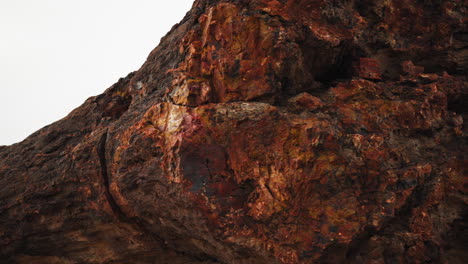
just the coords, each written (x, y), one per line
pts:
(262, 131)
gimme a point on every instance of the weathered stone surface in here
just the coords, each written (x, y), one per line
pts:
(368, 69)
(248, 136)
(305, 100)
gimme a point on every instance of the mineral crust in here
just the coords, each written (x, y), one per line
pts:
(262, 131)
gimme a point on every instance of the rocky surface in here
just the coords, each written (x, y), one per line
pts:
(262, 131)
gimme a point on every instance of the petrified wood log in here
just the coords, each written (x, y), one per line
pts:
(263, 131)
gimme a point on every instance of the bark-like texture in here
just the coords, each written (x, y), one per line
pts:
(263, 131)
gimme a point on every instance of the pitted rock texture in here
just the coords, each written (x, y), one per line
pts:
(263, 131)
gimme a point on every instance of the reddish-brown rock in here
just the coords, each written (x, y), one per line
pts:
(305, 100)
(368, 69)
(248, 136)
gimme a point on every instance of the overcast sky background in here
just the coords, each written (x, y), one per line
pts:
(54, 54)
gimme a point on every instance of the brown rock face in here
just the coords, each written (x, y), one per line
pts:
(263, 131)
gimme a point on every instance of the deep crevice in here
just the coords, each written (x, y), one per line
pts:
(101, 151)
(457, 103)
(105, 176)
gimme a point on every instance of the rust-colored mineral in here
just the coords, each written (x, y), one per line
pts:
(262, 131)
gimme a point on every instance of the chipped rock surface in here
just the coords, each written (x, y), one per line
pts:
(263, 131)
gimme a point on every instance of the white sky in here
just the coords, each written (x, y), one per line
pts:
(56, 53)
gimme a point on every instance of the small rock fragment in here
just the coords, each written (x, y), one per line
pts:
(305, 100)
